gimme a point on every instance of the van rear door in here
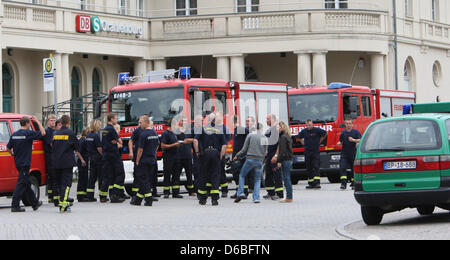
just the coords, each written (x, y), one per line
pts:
(401, 155)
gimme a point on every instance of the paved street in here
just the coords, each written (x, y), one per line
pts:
(313, 215)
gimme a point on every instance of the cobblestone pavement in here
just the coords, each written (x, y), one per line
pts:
(406, 224)
(313, 215)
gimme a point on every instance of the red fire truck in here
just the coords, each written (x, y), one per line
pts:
(164, 99)
(328, 107)
(9, 123)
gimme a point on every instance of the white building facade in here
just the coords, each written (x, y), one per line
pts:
(292, 41)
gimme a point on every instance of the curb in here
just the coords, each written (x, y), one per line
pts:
(340, 231)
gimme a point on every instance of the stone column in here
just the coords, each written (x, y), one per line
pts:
(237, 67)
(66, 81)
(1, 58)
(140, 67)
(160, 63)
(223, 67)
(57, 59)
(1, 74)
(304, 68)
(377, 71)
(320, 68)
(149, 65)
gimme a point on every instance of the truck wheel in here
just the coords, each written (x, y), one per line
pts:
(425, 210)
(35, 187)
(334, 178)
(372, 215)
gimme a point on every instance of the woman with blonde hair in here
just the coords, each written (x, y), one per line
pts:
(284, 157)
(94, 147)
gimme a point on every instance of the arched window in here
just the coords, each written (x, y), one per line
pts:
(8, 90)
(76, 104)
(409, 75)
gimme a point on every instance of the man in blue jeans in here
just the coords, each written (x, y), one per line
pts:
(255, 148)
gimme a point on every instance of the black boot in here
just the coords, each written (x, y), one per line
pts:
(136, 201)
(117, 199)
(148, 202)
(343, 185)
(19, 209)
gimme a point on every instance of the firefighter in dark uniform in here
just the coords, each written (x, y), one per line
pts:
(349, 138)
(197, 129)
(111, 162)
(83, 171)
(210, 147)
(169, 145)
(311, 137)
(184, 154)
(20, 146)
(274, 180)
(145, 161)
(132, 148)
(65, 143)
(94, 149)
(228, 137)
(53, 193)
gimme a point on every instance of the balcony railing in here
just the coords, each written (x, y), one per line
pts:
(278, 23)
(348, 21)
(435, 31)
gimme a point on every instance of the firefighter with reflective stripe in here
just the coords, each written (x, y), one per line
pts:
(119, 177)
(94, 148)
(274, 180)
(64, 144)
(197, 129)
(83, 171)
(228, 136)
(311, 137)
(184, 153)
(169, 145)
(20, 146)
(132, 148)
(211, 147)
(52, 187)
(112, 165)
(349, 138)
(145, 161)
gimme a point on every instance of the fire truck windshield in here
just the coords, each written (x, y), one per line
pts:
(160, 104)
(321, 108)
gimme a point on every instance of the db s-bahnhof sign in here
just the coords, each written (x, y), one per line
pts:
(95, 24)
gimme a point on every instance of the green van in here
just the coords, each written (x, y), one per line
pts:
(404, 162)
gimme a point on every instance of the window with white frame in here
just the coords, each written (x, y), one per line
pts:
(435, 10)
(36, 2)
(83, 4)
(247, 6)
(140, 8)
(186, 7)
(408, 8)
(336, 4)
(122, 7)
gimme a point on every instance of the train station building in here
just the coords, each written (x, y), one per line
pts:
(295, 41)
